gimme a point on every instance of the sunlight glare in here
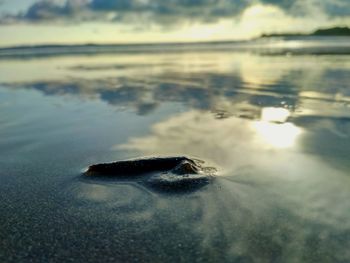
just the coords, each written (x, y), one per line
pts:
(271, 114)
(277, 135)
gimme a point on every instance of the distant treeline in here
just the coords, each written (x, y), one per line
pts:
(334, 31)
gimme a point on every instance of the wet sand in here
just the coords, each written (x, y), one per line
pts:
(276, 127)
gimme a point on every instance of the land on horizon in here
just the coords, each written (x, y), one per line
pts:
(332, 31)
(325, 32)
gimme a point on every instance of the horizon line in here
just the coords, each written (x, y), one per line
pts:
(181, 42)
(48, 44)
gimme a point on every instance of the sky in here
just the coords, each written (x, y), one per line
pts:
(34, 22)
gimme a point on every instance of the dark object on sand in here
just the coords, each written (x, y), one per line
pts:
(179, 165)
(169, 174)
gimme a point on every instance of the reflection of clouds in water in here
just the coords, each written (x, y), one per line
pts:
(132, 201)
(256, 71)
(274, 202)
(199, 80)
(229, 142)
(280, 220)
(297, 216)
(233, 144)
(328, 138)
(278, 204)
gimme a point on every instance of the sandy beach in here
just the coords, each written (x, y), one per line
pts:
(276, 127)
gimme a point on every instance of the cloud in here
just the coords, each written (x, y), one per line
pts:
(45, 10)
(338, 8)
(121, 10)
(165, 12)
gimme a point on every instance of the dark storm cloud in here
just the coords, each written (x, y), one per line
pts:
(164, 11)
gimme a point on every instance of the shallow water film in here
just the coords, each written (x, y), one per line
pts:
(275, 126)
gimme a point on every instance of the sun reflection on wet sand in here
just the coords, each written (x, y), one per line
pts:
(271, 114)
(224, 143)
(277, 135)
(274, 130)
